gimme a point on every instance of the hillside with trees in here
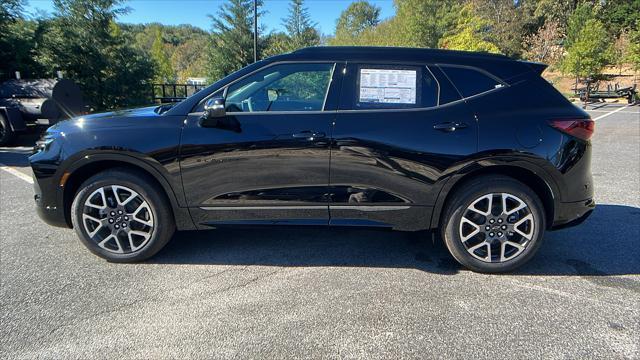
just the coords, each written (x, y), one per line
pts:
(115, 63)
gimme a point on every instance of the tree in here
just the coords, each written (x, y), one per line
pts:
(300, 29)
(164, 72)
(18, 41)
(546, 44)
(589, 51)
(359, 17)
(469, 34)
(231, 39)
(633, 50)
(85, 42)
(188, 59)
(619, 16)
(422, 23)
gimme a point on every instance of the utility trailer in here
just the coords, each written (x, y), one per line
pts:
(591, 92)
(25, 104)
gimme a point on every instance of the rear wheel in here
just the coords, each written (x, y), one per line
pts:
(6, 133)
(494, 224)
(122, 216)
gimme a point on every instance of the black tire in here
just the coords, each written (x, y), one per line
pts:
(163, 221)
(457, 207)
(6, 133)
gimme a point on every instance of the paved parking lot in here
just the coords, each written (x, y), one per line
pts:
(328, 293)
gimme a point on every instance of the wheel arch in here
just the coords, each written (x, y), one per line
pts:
(82, 170)
(543, 187)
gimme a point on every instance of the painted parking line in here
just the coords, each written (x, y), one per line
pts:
(610, 113)
(20, 175)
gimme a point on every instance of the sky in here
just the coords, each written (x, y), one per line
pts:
(194, 12)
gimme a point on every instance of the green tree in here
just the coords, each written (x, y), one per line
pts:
(18, 41)
(231, 39)
(633, 50)
(589, 51)
(469, 34)
(300, 29)
(164, 72)
(619, 16)
(576, 22)
(422, 23)
(85, 42)
(359, 17)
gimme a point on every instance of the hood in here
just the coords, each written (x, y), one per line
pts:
(113, 119)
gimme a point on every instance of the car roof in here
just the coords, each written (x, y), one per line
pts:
(499, 65)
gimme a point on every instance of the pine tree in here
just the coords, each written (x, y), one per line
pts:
(300, 29)
(231, 39)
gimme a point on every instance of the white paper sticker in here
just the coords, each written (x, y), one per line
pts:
(387, 86)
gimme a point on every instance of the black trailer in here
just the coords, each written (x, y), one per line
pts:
(28, 103)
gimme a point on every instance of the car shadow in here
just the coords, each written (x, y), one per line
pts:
(605, 244)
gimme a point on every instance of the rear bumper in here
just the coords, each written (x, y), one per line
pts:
(573, 213)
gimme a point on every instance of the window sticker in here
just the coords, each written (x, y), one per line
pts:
(388, 86)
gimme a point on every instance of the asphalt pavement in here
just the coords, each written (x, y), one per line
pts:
(328, 293)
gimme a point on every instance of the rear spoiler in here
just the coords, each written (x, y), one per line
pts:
(536, 67)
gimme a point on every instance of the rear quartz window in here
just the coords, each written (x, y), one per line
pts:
(470, 81)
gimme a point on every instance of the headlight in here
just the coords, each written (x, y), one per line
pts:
(45, 141)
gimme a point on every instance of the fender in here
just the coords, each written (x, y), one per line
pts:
(501, 163)
(181, 213)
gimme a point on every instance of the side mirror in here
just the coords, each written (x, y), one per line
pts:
(214, 109)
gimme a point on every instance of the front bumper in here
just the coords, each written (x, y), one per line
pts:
(50, 214)
(573, 213)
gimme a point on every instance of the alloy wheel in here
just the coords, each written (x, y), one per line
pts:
(496, 227)
(118, 219)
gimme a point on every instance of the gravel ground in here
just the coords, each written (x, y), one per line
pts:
(330, 293)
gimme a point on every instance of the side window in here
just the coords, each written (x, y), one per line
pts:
(469, 81)
(285, 87)
(394, 87)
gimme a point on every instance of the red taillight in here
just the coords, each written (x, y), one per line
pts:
(580, 128)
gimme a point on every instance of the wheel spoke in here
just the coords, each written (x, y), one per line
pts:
(476, 229)
(489, 199)
(86, 217)
(134, 215)
(115, 240)
(102, 197)
(521, 204)
(132, 195)
(530, 228)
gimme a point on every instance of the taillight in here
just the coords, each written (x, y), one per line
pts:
(580, 128)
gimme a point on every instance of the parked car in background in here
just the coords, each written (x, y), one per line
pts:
(476, 147)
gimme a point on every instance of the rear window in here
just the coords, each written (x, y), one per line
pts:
(470, 81)
(394, 87)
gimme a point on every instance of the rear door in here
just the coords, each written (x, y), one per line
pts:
(399, 128)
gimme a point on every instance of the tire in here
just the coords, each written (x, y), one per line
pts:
(6, 133)
(499, 240)
(144, 226)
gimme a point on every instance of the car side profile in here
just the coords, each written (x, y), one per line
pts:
(478, 148)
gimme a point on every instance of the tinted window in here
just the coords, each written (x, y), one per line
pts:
(470, 81)
(393, 87)
(286, 87)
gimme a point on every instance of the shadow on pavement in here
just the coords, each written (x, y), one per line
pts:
(18, 151)
(605, 244)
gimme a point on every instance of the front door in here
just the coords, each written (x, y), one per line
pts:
(267, 161)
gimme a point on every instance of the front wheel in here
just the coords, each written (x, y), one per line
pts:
(122, 216)
(493, 224)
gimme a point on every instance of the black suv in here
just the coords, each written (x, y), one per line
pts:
(478, 146)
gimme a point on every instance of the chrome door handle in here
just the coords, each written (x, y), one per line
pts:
(449, 126)
(308, 134)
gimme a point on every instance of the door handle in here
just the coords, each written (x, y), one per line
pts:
(308, 134)
(449, 126)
